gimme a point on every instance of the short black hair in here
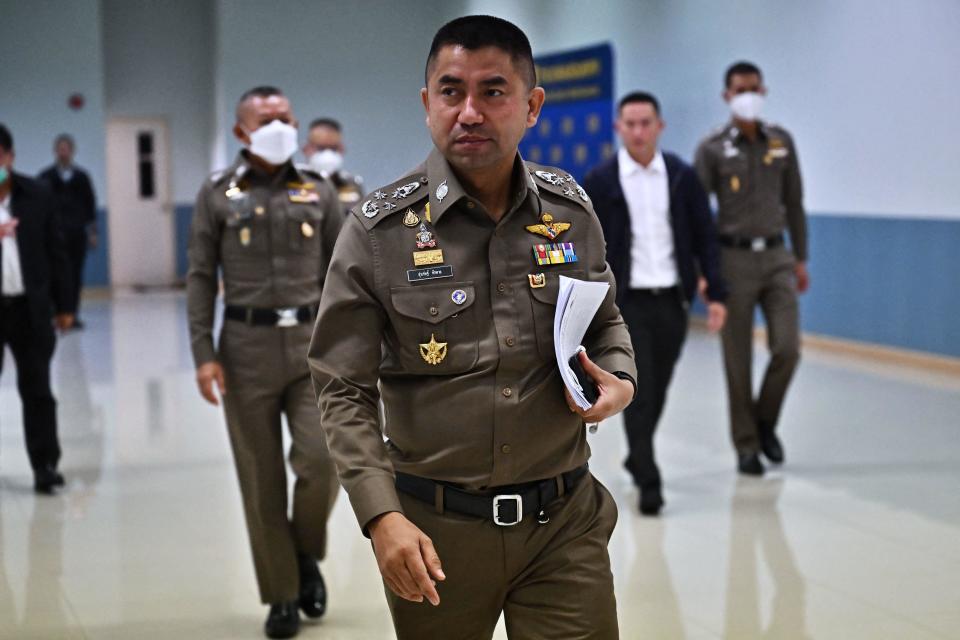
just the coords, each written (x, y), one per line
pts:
(64, 137)
(741, 68)
(6, 138)
(641, 97)
(477, 32)
(263, 91)
(326, 122)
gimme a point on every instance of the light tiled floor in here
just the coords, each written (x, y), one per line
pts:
(857, 537)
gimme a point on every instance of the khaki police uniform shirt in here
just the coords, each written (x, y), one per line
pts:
(458, 343)
(349, 189)
(271, 235)
(758, 186)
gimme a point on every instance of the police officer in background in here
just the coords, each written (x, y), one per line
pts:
(752, 167)
(441, 300)
(270, 227)
(73, 191)
(324, 152)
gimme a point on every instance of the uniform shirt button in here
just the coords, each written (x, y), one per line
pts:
(511, 341)
(434, 311)
(501, 287)
(507, 392)
(423, 179)
(470, 205)
(505, 448)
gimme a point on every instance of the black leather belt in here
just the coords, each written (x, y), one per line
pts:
(285, 317)
(506, 506)
(654, 291)
(753, 244)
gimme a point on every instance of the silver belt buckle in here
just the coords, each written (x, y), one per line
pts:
(496, 509)
(287, 317)
(758, 244)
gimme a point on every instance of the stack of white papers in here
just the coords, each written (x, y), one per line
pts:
(577, 303)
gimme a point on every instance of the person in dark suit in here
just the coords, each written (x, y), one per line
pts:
(660, 239)
(35, 281)
(73, 191)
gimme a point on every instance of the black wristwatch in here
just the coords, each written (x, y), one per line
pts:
(626, 376)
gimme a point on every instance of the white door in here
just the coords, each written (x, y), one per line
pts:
(138, 203)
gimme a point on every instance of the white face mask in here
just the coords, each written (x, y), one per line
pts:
(327, 161)
(275, 142)
(746, 106)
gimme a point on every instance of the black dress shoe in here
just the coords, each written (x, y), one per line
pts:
(313, 591)
(770, 445)
(46, 480)
(283, 620)
(749, 464)
(651, 501)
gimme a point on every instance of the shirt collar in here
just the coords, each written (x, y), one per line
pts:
(629, 166)
(443, 182)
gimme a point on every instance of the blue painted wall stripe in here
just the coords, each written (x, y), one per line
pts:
(888, 281)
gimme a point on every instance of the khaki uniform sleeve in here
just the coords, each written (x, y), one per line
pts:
(607, 340)
(704, 167)
(793, 202)
(203, 256)
(344, 360)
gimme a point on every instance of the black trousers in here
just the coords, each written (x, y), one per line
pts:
(32, 346)
(657, 321)
(77, 241)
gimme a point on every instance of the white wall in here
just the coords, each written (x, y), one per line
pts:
(869, 89)
(360, 62)
(50, 49)
(159, 61)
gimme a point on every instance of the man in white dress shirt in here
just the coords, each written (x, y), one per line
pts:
(660, 240)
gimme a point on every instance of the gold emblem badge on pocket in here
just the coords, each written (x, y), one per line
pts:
(307, 229)
(537, 280)
(245, 236)
(425, 258)
(433, 352)
(735, 183)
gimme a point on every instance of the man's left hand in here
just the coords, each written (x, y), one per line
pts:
(64, 321)
(803, 277)
(614, 393)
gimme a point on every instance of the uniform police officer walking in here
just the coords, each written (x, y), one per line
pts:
(440, 302)
(752, 167)
(324, 151)
(270, 228)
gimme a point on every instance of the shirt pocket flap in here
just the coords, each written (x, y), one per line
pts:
(433, 303)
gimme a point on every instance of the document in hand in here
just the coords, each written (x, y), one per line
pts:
(577, 303)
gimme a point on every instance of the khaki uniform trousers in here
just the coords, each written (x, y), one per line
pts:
(764, 278)
(550, 581)
(266, 376)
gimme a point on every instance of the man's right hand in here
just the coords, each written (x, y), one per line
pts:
(208, 374)
(406, 558)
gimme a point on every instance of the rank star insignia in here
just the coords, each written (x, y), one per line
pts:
(433, 352)
(568, 178)
(379, 195)
(410, 219)
(583, 194)
(550, 178)
(548, 228)
(370, 209)
(405, 190)
(568, 192)
(389, 206)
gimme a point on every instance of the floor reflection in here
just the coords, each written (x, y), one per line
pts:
(756, 532)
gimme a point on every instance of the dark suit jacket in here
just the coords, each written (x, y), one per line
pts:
(43, 256)
(694, 234)
(78, 206)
